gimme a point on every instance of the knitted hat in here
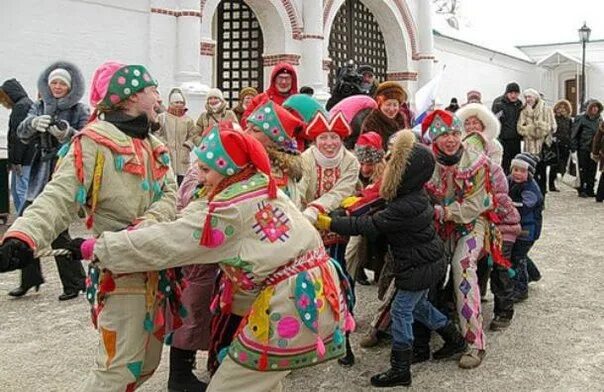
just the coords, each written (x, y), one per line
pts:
(390, 90)
(176, 96)
(247, 91)
(474, 96)
(512, 88)
(368, 148)
(440, 122)
(526, 161)
(228, 152)
(216, 93)
(61, 74)
(278, 124)
(304, 106)
(531, 92)
(320, 124)
(113, 82)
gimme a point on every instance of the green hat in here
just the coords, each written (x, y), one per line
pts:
(213, 153)
(305, 106)
(278, 124)
(127, 81)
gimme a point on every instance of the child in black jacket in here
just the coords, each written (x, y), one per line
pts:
(407, 222)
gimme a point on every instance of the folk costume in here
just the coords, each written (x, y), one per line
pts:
(268, 252)
(120, 175)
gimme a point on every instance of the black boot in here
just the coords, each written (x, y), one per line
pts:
(348, 359)
(399, 372)
(454, 342)
(421, 342)
(181, 377)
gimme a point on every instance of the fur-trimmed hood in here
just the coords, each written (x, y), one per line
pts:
(567, 104)
(492, 126)
(592, 102)
(410, 166)
(51, 104)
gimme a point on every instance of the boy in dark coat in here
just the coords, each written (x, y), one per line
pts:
(407, 222)
(528, 199)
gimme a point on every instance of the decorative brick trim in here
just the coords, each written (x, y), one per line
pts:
(423, 56)
(401, 76)
(175, 13)
(207, 48)
(311, 36)
(327, 64)
(272, 59)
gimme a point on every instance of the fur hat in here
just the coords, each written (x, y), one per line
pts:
(411, 165)
(565, 103)
(62, 74)
(439, 122)
(390, 90)
(512, 87)
(247, 91)
(216, 93)
(474, 96)
(368, 148)
(278, 124)
(532, 92)
(320, 124)
(491, 125)
(526, 161)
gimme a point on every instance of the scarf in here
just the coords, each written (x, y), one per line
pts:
(328, 163)
(217, 109)
(178, 112)
(136, 127)
(447, 160)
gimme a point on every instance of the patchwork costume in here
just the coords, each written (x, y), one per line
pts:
(119, 181)
(294, 298)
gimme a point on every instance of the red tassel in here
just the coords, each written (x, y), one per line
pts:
(320, 347)
(263, 361)
(108, 284)
(89, 221)
(349, 323)
(206, 237)
(272, 188)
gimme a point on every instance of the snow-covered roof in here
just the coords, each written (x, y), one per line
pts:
(441, 27)
(556, 59)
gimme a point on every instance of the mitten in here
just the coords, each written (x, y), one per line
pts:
(74, 246)
(323, 222)
(41, 123)
(349, 201)
(311, 214)
(60, 130)
(15, 254)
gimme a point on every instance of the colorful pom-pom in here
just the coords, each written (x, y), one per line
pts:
(145, 185)
(320, 347)
(81, 195)
(148, 323)
(63, 151)
(168, 339)
(165, 159)
(222, 354)
(349, 323)
(511, 273)
(182, 311)
(119, 163)
(338, 336)
(490, 261)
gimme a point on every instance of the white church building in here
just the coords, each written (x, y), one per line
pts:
(231, 44)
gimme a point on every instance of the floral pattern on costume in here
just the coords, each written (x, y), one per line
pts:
(272, 223)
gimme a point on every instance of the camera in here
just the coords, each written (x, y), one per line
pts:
(62, 125)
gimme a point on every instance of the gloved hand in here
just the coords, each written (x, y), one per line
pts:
(74, 247)
(595, 157)
(338, 212)
(349, 201)
(15, 254)
(311, 214)
(59, 131)
(323, 222)
(41, 123)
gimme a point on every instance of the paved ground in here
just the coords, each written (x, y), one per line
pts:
(554, 344)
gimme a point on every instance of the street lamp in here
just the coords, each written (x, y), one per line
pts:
(584, 33)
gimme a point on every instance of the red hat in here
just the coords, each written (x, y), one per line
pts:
(369, 148)
(228, 152)
(320, 124)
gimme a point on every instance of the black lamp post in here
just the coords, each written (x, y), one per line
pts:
(584, 33)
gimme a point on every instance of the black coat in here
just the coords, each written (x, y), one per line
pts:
(19, 153)
(585, 128)
(508, 113)
(408, 225)
(563, 130)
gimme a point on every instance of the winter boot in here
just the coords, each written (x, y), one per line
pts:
(500, 322)
(399, 372)
(421, 342)
(181, 378)
(348, 359)
(454, 342)
(371, 339)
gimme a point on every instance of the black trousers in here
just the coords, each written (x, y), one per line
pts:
(511, 148)
(71, 272)
(540, 171)
(587, 172)
(600, 192)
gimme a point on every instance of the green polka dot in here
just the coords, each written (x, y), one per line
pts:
(275, 316)
(197, 234)
(214, 221)
(229, 231)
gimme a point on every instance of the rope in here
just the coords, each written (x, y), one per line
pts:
(53, 252)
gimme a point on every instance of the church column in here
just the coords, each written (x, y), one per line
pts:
(425, 57)
(312, 48)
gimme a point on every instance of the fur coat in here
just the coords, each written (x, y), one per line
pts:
(378, 122)
(535, 124)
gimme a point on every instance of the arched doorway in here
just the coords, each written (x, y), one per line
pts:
(356, 35)
(239, 49)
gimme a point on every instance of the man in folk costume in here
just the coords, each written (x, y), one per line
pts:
(120, 174)
(276, 128)
(294, 298)
(330, 175)
(461, 190)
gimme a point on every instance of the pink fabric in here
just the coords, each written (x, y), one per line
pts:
(87, 249)
(351, 106)
(100, 81)
(187, 188)
(509, 224)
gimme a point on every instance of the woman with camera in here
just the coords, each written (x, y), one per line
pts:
(50, 123)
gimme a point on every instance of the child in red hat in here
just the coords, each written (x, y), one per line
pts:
(268, 252)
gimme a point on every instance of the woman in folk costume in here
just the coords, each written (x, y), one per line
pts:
(461, 190)
(216, 111)
(388, 118)
(305, 108)
(245, 98)
(294, 298)
(536, 125)
(276, 129)
(330, 176)
(50, 123)
(121, 176)
(177, 132)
